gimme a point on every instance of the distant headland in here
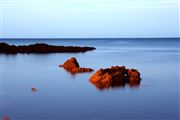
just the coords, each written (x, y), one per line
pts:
(41, 48)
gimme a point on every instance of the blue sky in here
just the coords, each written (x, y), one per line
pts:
(89, 18)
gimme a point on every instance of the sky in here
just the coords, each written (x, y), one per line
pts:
(89, 18)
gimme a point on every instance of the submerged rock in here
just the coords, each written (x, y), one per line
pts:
(115, 76)
(72, 66)
(41, 48)
(6, 118)
(33, 90)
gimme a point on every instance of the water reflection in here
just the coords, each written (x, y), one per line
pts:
(117, 84)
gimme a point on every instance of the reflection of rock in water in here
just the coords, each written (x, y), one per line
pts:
(72, 66)
(33, 90)
(115, 77)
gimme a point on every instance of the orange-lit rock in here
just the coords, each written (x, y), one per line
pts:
(115, 76)
(133, 75)
(81, 70)
(72, 66)
(6, 118)
(33, 90)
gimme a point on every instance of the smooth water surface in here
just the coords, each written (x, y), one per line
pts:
(61, 95)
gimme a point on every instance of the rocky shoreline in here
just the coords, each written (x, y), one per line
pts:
(41, 48)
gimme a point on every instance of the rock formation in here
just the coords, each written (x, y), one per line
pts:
(115, 76)
(6, 118)
(33, 90)
(72, 66)
(41, 48)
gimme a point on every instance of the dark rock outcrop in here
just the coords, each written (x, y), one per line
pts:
(115, 77)
(73, 67)
(41, 48)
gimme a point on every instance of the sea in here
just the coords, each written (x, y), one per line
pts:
(60, 95)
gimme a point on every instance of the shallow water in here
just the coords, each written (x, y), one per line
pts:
(61, 95)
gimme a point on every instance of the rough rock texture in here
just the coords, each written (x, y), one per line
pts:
(115, 76)
(41, 48)
(72, 66)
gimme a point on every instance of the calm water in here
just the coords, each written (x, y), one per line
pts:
(61, 95)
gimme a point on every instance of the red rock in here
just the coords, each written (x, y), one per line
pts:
(115, 76)
(72, 66)
(33, 90)
(133, 75)
(6, 118)
(81, 70)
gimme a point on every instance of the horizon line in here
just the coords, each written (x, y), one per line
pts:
(97, 38)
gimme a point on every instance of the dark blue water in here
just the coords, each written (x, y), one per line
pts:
(61, 95)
